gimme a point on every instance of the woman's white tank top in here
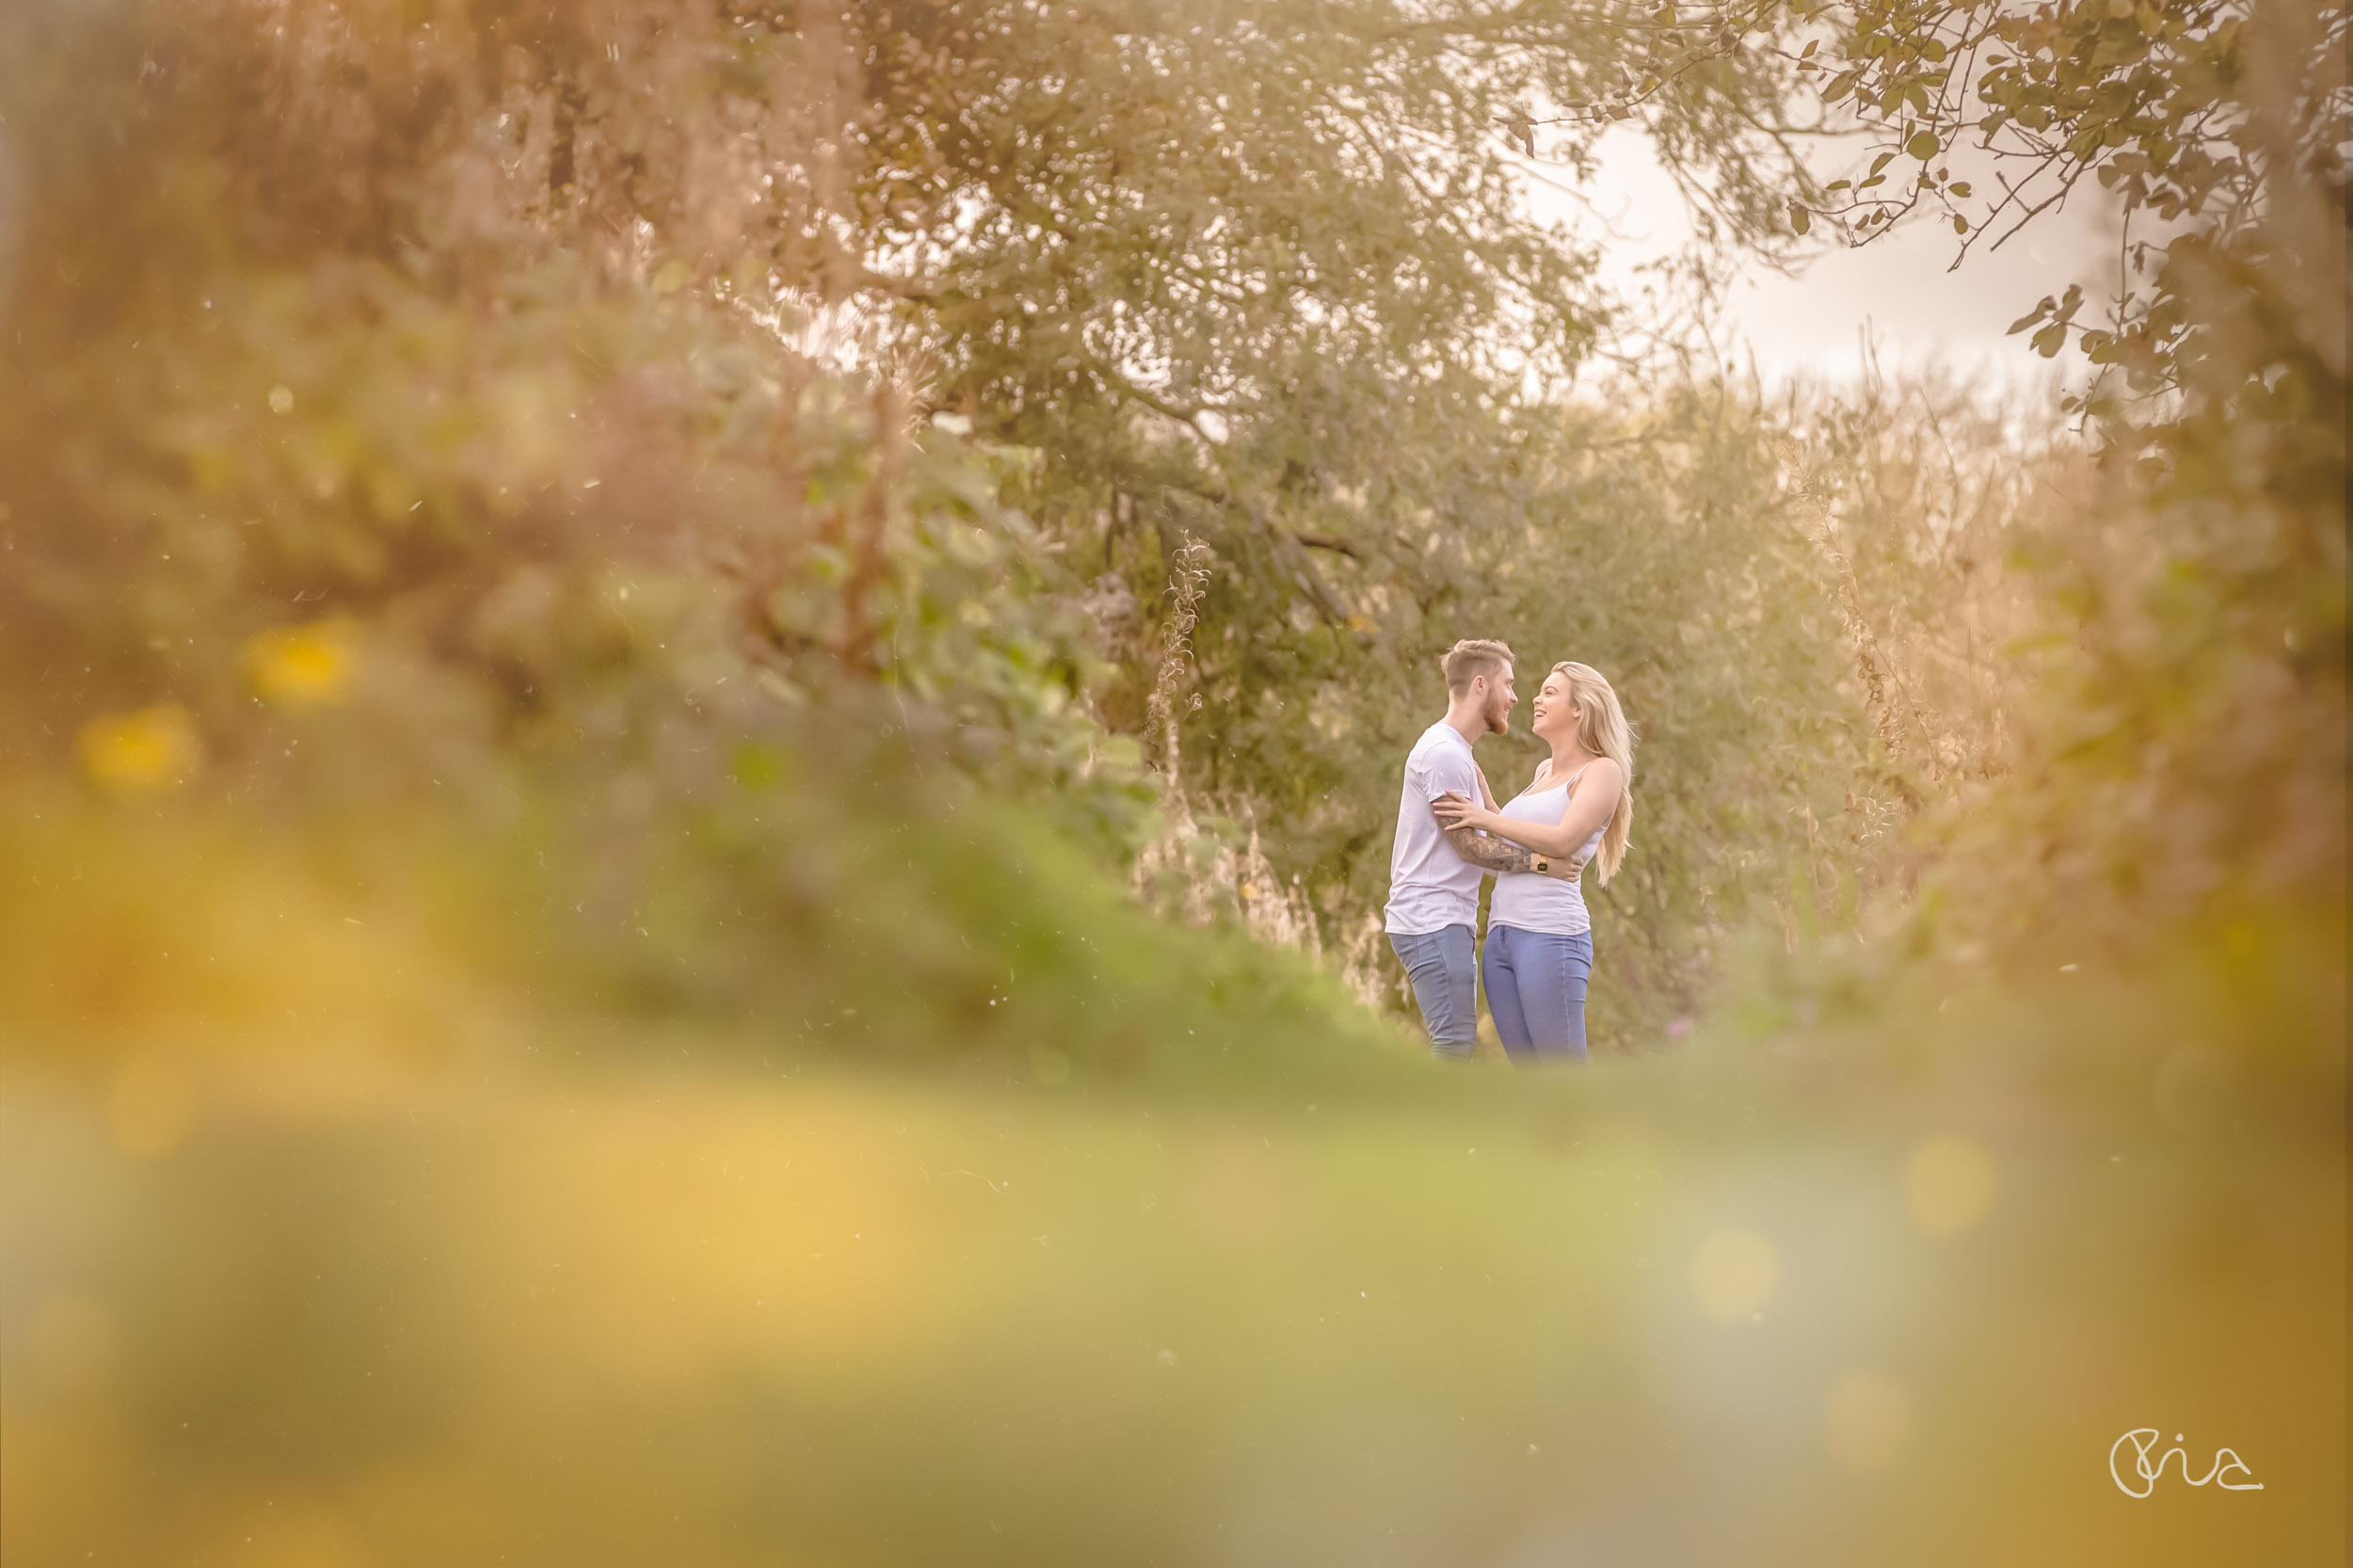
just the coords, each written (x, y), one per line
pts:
(1530, 899)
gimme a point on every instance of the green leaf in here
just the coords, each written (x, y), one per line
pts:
(1924, 145)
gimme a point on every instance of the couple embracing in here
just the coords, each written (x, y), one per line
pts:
(1579, 808)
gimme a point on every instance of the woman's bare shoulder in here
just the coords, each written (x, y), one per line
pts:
(1604, 772)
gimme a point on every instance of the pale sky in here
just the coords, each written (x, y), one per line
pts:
(1919, 314)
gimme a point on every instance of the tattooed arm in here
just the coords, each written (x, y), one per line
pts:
(1501, 855)
(1593, 799)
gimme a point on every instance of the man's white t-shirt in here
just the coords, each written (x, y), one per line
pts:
(1431, 886)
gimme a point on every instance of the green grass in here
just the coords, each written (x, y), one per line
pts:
(705, 1314)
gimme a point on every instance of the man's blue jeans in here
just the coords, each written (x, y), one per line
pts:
(1444, 971)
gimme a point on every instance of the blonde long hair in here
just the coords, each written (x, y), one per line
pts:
(1602, 729)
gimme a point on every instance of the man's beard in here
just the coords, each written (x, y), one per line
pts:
(1500, 718)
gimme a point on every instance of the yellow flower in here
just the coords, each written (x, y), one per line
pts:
(155, 748)
(300, 665)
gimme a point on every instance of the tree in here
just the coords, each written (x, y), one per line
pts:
(2190, 758)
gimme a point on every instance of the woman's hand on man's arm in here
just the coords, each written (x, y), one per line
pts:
(1590, 805)
(1455, 811)
(1502, 854)
(1492, 854)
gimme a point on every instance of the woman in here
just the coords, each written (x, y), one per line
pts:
(1540, 942)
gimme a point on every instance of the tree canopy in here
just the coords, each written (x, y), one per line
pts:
(890, 360)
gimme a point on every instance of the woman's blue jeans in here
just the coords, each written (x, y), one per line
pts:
(1446, 983)
(1536, 990)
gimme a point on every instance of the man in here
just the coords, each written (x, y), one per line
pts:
(1434, 871)
(1434, 891)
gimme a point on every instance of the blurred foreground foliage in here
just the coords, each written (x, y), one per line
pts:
(373, 1291)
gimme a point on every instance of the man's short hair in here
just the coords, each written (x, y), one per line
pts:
(1470, 659)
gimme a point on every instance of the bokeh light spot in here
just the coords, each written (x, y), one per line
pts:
(149, 1107)
(2196, 1088)
(1949, 1185)
(1049, 1066)
(1869, 1420)
(71, 1342)
(1733, 1273)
